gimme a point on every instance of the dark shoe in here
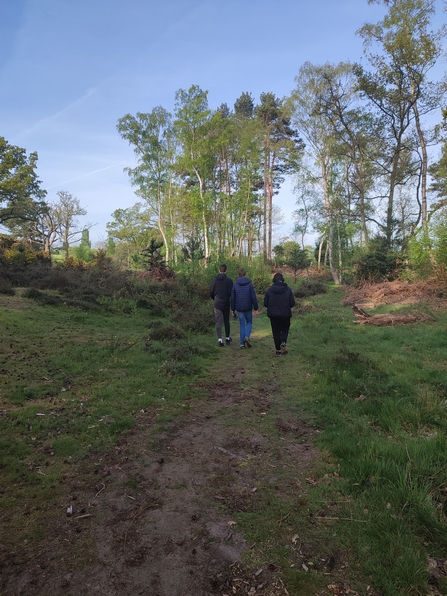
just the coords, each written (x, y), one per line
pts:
(283, 348)
(221, 343)
(247, 342)
(228, 341)
(278, 352)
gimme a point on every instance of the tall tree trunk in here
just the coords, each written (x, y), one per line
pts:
(204, 222)
(270, 208)
(320, 249)
(424, 166)
(330, 219)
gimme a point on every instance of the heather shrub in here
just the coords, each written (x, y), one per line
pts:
(6, 287)
(166, 332)
(311, 288)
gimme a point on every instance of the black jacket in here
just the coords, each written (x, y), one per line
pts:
(279, 300)
(220, 291)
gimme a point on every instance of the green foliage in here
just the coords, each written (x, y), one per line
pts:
(21, 195)
(296, 258)
(428, 249)
(84, 253)
(192, 249)
(19, 254)
(419, 253)
(378, 262)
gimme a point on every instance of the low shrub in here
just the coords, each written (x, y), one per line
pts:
(311, 288)
(81, 304)
(32, 293)
(6, 287)
(183, 351)
(378, 262)
(196, 317)
(43, 297)
(173, 369)
(261, 283)
(166, 332)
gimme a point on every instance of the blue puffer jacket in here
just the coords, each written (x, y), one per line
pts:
(243, 295)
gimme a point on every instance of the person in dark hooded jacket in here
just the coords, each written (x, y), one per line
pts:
(279, 301)
(243, 299)
(220, 292)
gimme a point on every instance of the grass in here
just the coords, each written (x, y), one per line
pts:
(374, 399)
(380, 397)
(73, 384)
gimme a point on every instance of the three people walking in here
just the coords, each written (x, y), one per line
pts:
(240, 297)
(243, 301)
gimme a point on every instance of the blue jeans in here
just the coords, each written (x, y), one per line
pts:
(245, 323)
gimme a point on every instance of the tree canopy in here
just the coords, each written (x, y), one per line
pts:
(21, 195)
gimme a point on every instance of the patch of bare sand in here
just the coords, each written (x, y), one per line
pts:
(158, 509)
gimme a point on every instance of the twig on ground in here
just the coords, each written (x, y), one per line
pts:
(360, 521)
(231, 454)
(139, 512)
(101, 489)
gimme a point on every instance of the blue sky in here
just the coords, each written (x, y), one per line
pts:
(69, 69)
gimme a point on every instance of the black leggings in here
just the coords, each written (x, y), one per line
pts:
(280, 330)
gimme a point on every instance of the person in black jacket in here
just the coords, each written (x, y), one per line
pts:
(279, 301)
(220, 292)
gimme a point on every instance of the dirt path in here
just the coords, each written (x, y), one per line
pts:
(158, 511)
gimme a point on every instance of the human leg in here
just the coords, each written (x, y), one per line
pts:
(248, 323)
(276, 332)
(284, 333)
(219, 318)
(226, 320)
(241, 317)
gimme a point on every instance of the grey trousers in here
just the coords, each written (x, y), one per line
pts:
(222, 318)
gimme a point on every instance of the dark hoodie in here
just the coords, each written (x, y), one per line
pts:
(279, 300)
(220, 291)
(243, 296)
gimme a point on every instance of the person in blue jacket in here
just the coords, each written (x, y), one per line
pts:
(243, 300)
(279, 300)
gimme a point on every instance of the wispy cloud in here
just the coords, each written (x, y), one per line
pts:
(59, 184)
(44, 122)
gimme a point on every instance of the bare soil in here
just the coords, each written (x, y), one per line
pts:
(154, 516)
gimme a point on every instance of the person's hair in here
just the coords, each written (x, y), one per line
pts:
(278, 277)
(222, 268)
(241, 272)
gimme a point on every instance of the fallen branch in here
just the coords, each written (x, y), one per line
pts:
(360, 521)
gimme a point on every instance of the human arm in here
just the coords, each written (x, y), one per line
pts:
(266, 299)
(254, 299)
(291, 299)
